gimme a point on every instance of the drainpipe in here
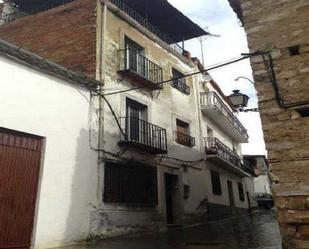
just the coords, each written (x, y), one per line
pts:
(198, 103)
(100, 75)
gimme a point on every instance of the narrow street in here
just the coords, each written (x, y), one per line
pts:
(259, 231)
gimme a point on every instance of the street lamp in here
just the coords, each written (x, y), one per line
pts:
(245, 78)
(240, 100)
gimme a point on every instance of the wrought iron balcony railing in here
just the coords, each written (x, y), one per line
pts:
(144, 135)
(185, 139)
(30, 9)
(7, 18)
(133, 64)
(141, 20)
(215, 147)
(145, 23)
(181, 86)
(212, 100)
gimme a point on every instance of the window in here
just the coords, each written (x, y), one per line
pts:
(294, 50)
(130, 184)
(183, 134)
(210, 132)
(180, 84)
(130, 44)
(216, 183)
(135, 59)
(136, 115)
(241, 191)
(304, 113)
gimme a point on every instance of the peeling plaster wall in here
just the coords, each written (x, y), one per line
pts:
(164, 107)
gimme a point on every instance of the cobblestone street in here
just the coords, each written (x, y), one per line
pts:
(259, 231)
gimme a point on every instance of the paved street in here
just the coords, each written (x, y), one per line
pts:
(260, 231)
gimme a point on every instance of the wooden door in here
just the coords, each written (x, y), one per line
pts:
(20, 160)
(171, 188)
(231, 195)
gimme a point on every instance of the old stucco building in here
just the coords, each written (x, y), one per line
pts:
(281, 27)
(168, 154)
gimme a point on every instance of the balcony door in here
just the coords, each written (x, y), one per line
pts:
(135, 57)
(136, 121)
(231, 196)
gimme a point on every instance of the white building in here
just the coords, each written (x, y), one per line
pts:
(260, 165)
(136, 161)
(44, 151)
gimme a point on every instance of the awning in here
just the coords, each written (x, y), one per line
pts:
(167, 19)
(160, 13)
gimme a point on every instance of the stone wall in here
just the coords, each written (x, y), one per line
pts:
(282, 27)
(65, 35)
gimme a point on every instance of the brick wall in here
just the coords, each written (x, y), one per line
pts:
(65, 35)
(277, 26)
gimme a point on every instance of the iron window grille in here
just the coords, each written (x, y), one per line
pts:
(216, 182)
(180, 84)
(185, 139)
(130, 184)
(132, 60)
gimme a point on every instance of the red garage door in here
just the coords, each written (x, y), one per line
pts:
(20, 160)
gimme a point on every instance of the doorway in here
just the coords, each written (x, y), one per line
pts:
(135, 56)
(231, 195)
(171, 194)
(136, 123)
(20, 161)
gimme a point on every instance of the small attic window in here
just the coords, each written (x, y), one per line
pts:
(304, 113)
(294, 50)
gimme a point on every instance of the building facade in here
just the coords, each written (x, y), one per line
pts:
(48, 169)
(168, 146)
(281, 28)
(260, 166)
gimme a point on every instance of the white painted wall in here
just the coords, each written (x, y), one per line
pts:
(262, 185)
(35, 103)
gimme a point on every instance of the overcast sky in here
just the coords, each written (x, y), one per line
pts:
(218, 16)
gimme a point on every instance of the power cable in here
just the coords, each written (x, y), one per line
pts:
(184, 76)
(112, 111)
(269, 64)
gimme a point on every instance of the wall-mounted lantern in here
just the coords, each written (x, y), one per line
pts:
(238, 99)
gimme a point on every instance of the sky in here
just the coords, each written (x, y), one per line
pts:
(218, 18)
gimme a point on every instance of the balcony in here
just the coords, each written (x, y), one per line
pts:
(185, 139)
(218, 153)
(161, 19)
(139, 69)
(144, 135)
(181, 86)
(29, 8)
(214, 108)
(7, 18)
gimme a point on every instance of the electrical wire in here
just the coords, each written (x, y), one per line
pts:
(184, 76)
(112, 111)
(269, 64)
